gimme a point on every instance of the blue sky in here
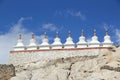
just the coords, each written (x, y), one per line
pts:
(39, 16)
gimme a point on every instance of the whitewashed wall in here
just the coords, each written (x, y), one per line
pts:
(27, 57)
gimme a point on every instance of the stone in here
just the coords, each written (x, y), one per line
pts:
(6, 71)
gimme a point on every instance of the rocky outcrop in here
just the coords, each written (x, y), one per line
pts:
(6, 71)
(106, 66)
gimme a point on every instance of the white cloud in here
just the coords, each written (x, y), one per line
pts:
(117, 35)
(72, 13)
(50, 27)
(8, 40)
(107, 27)
(76, 14)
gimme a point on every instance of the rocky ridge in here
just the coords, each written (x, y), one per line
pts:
(6, 71)
(106, 66)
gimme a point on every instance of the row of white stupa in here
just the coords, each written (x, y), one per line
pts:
(68, 44)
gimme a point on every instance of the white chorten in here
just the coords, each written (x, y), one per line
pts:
(107, 41)
(57, 43)
(94, 42)
(69, 42)
(32, 45)
(82, 43)
(45, 44)
(20, 45)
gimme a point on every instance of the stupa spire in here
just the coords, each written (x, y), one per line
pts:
(32, 35)
(56, 34)
(69, 41)
(69, 33)
(32, 45)
(82, 33)
(19, 45)
(94, 42)
(82, 43)
(45, 35)
(20, 40)
(20, 36)
(57, 43)
(107, 41)
(94, 32)
(107, 32)
(45, 44)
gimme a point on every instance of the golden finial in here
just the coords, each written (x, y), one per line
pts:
(69, 34)
(56, 34)
(20, 36)
(32, 35)
(82, 34)
(45, 35)
(107, 32)
(94, 32)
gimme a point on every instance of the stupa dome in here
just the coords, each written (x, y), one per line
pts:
(107, 41)
(45, 44)
(32, 45)
(82, 43)
(94, 42)
(19, 45)
(69, 42)
(57, 42)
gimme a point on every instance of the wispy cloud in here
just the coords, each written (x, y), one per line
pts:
(76, 14)
(71, 13)
(9, 39)
(50, 27)
(117, 36)
(107, 27)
